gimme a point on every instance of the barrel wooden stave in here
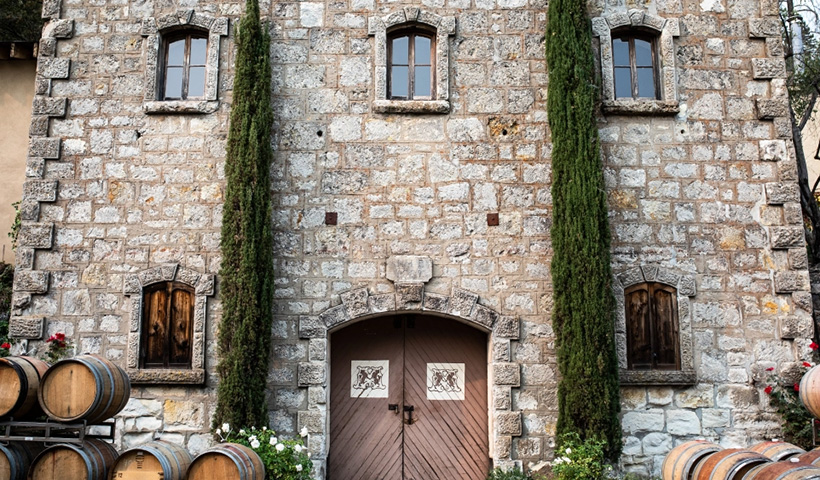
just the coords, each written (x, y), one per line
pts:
(729, 464)
(229, 461)
(159, 457)
(810, 391)
(20, 377)
(777, 451)
(87, 387)
(90, 461)
(812, 456)
(785, 470)
(680, 463)
(16, 458)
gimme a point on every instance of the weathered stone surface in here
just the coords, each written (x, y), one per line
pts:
(780, 193)
(311, 327)
(409, 269)
(44, 147)
(33, 281)
(768, 109)
(507, 326)
(26, 327)
(484, 316)
(795, 326)
(334, 316)
(47, 106)
(768, 68)
(786, 282)
(787, 237)
(40, 190)
(462, 302)
(35, 235)
(507, 374)
(509, 423)
(54, 68)
(435, 302)
(355, 302)
(409, 295)
(382, 303)
(311, 374)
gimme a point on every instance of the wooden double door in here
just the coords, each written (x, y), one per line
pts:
(408, 400)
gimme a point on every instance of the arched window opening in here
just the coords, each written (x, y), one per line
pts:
(652, 331)
(184, 63)
(635, 64)
(411, 65)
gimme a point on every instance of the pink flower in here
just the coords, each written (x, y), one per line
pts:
(5, 346)
(768, 389)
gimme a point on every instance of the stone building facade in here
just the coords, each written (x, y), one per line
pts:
(438, 206)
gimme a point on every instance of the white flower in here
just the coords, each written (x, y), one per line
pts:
(264, 429)
(298, 468)
(226, 427)
(569, 451)
(273, 440)
(557, 461)
(298, 448)
(566, 459)
(303, 432)
(242, 431)
(308, 454)
(255, 443)
(252, 438)
(219, 431)
(279, 447)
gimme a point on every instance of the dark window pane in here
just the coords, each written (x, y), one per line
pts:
(422, 51)
(399, 56)
(620, 52)
(176, 53)
(173, 82)
(643, 53)
(646, 82)
(623, 82)
(638, 329)
(399, 79)
(196, 82)
(198, 51)
(422, 85)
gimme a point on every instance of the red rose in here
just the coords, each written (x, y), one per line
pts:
(61, 344)
(768, 389)
(796, 387)
(59, 336)
(770, 369)
(5, 345)
(814, 346)
(807, 364)
(51, 339)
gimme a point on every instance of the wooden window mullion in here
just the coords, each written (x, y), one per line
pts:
(169, 292)
(411, 63)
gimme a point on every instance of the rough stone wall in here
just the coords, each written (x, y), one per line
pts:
(707, 194)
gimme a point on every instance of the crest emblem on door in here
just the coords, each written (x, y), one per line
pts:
(445, 381)
(369, 378)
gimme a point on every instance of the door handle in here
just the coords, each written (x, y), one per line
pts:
(409, 409)
(394, 407)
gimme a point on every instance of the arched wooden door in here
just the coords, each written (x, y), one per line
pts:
(408, 401)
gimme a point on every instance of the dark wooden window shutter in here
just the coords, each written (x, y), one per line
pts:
(652, 327)
(168, 317)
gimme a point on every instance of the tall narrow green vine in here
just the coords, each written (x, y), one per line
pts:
(247, 246)
(583, 318)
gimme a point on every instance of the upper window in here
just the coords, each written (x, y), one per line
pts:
(185, 58)
(168, 317)
(411, 65)
(635, 66)
(652, 327)
(411, 55)
(182, 64)
(637, 63)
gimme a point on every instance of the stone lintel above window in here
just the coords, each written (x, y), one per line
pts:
(378, 26)
(639, 21)
(153, 30)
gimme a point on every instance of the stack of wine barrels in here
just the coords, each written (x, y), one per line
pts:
(85, 388)
(702, 460)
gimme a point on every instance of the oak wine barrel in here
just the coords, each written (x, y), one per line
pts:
(87, 387)
(810, 391)
(227, 461)
(157, 460)
(20, 378)
(729, 464)
(90, 461)
(680, 463)
(15, 459)
(812, 456)
(786, 470)
(777, 451)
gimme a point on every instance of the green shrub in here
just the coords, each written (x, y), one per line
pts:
(797, 421)
(283, 459)
(578, 459)
(514, 474)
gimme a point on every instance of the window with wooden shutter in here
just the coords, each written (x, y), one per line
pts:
(652, 334)
(168, 317)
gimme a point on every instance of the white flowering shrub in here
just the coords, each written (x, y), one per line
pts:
(580, 460)
(284, 459)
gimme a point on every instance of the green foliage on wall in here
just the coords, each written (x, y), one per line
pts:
(6, 280)
(583, 317)
(247, 246)
(20, 20)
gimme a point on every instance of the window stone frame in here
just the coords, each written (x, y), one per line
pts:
(154, 29)
(444, 26)
(203, 285)
(666, 30)
(684, 285)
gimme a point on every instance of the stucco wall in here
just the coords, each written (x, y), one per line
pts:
(17, 79)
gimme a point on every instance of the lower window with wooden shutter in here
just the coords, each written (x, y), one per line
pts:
(652, 330)
(168, 314)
